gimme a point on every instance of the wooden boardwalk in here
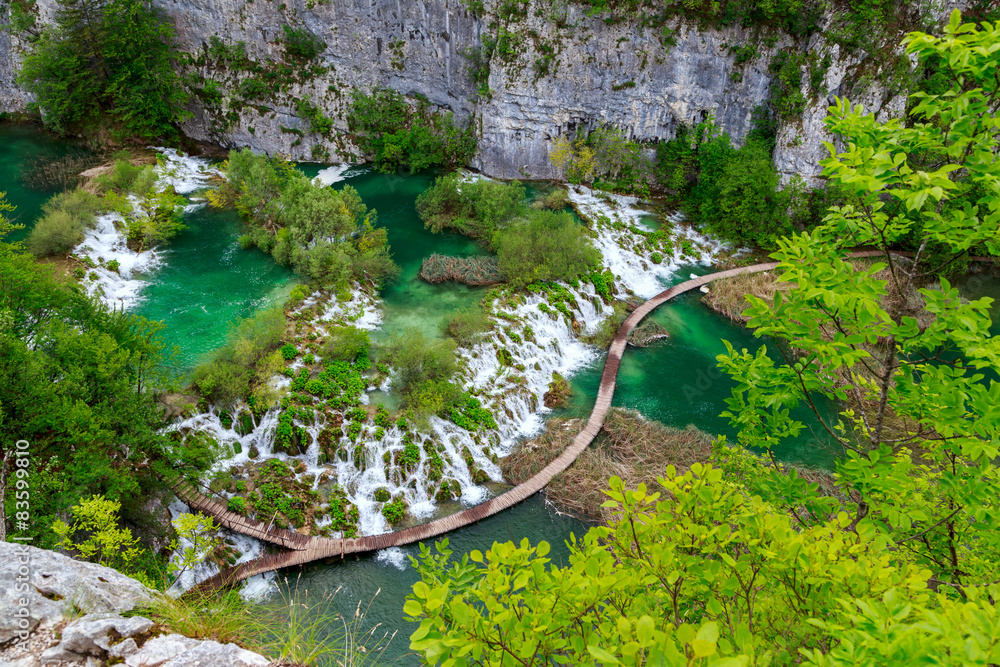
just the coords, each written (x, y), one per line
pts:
(319, 548)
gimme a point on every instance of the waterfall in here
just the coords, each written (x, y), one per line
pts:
(509, 370)
(616, 219)
(105, 242)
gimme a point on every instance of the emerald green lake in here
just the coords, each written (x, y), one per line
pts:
(20, 147)
(206, 282)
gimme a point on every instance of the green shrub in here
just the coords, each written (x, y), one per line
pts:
(289, 352)
(467, 326)
(253, 88)
(237, 504)
(64, 221)
(545, 246)
(394, 511)
(424, 372)
(346, 343)
(307, 110)
(301, 44)
(325, 234)
(394, 136)
(736, 193)
(382, 494)
(478, 208)
(245, 363)
(298, 294)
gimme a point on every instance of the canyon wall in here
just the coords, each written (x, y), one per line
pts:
(563, 72)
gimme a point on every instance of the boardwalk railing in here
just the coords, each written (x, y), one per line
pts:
(197, 501)
(318, 548)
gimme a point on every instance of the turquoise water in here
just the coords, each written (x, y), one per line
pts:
(20, 146)
(206, 282)
(677, 381)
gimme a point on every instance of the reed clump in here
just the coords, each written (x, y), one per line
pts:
(58, 173)
(474, 271)
(629, 446)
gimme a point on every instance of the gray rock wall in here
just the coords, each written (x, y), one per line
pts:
(618, 74)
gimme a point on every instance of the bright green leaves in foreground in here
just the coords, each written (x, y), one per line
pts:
(913, 364)
(896, 562)
(700, 574)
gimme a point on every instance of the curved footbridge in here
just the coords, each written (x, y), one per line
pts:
(304, 549)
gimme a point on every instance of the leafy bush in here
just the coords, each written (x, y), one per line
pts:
(382, 494)
(237, 504)
(734, 192)
(325, 234)
(424, 372)
(300, 43)
(346, 343)
(476, 208)
(65, 219)
(309, 111)
(467, 325)
(394, 136)
(245, 363)
(545, 246)
(394, 511)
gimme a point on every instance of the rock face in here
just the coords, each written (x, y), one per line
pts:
(563, 72)
(40, 590)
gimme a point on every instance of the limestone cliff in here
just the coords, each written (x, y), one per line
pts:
(561, 73)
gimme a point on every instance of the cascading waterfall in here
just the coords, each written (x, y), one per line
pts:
(106, 243)
(617, 220)
(509, 371)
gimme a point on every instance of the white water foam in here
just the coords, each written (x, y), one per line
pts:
(624, 250)
(106, 241)
(539, 343)
(332, 175)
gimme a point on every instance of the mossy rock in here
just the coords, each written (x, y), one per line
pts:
(254, 452)
(443, 494)
(225, 419)
(505, 357)
(244, 425)
(382, 495)
(479, 476)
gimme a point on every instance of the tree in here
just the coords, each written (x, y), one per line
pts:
(743, 563)
(698, 574)
(106, 59)
(103, 541)
(919, 435)
(545, 246)
(197, 537)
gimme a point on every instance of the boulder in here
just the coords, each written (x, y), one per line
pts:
(92, 635)
(39, 588)
(180, 651)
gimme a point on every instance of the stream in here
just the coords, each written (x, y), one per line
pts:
(203, 281)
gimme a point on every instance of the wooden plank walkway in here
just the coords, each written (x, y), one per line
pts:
(316, 548)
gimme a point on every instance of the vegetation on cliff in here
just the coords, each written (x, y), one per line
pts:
(106, 66)
(394, 136)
